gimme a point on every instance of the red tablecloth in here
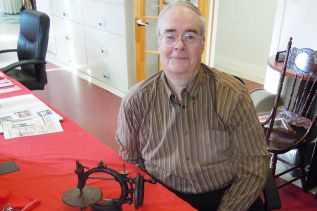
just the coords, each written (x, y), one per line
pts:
(47, 164)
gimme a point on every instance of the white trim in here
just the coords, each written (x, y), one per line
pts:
(210, 31)
(105, 86)
(278, 26)
(212, 46)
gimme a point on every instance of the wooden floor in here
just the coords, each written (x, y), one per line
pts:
(90, 106)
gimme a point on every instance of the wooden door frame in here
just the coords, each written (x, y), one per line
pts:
(139, 12)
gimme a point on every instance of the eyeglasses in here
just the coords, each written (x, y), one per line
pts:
(189, 39)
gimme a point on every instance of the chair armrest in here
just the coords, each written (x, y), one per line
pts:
(8, 50)
(271, 196)
(255, 90)
(21, 63)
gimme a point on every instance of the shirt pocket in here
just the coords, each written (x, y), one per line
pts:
(213, 147)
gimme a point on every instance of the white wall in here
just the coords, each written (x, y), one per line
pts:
(300, 22)
(243, 37)
(297, 19)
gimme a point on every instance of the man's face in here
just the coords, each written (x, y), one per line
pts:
(184, 56)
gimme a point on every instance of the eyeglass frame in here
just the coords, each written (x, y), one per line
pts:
(199, 36)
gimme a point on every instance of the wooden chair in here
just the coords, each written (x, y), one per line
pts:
(290, 127)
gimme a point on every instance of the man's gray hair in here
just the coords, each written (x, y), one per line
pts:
(187, 4)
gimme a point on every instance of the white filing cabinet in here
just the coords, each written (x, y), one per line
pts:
(69, 32)
(107, 58)
(95, 36)
(70, 42)
(105, 41)
(68, 9)
(45, 6)
(105, 16)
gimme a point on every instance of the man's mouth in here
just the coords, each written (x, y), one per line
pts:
(178, 57)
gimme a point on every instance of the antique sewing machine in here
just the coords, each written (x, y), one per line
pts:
(132, 189)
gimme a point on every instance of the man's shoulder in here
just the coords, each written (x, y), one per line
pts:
(225, 80)
(143, 87)
(229, 92)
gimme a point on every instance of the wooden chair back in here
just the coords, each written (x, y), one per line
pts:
(302, 93)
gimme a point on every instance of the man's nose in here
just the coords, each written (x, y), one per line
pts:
(179, 44)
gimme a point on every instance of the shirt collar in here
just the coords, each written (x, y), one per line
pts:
(191, 88)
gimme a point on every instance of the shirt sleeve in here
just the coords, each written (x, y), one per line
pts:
(251, 159)
(127, 131)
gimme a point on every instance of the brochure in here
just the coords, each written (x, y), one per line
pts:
(26, 115)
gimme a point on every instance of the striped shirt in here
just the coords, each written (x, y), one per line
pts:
(211, 139)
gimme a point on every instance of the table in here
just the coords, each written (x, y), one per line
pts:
(278, 66)
(47, 164)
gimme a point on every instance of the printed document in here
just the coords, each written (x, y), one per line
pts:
(19, 115)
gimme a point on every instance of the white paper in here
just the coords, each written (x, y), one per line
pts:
(23, 107)
(9, 89)
(31, 126)
(4, 82)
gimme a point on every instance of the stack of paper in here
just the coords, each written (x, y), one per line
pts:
(6, 85)
(26, 115)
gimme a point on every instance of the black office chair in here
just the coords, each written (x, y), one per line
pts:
(31, 51)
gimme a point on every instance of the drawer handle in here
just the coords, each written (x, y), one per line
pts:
(106, 75)
(102, 24)
(104, 51)
(67, 37)
(65, 14)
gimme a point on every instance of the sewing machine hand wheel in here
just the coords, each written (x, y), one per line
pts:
(84, 196)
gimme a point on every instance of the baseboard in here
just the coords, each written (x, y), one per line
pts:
(244, 70)
(103, 85)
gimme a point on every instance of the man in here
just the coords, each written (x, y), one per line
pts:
(191, 127)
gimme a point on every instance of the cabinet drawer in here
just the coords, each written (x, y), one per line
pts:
(107, 17)
(107, 59)
(68, 9)
(51, 42)
(45, 6)
(70, 42)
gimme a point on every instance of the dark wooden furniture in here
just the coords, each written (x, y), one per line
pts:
(291, 126)
(301, 61)
(278, 66)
